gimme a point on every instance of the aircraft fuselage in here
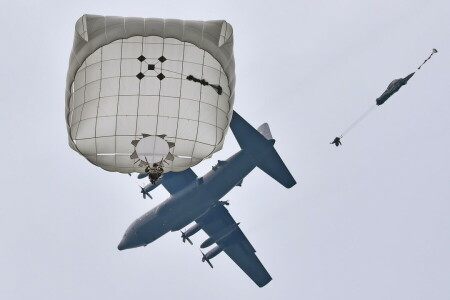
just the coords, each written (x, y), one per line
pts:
(184, 207)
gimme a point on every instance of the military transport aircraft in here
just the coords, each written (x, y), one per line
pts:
(197, 199)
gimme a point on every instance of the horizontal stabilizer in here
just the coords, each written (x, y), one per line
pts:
(274, 166)
(246, 136)
(258, 140)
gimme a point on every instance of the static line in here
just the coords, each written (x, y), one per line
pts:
(363, 116)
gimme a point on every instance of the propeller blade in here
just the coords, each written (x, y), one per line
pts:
(204, 258)
(210, 264)
(184, 237)
(144, 192)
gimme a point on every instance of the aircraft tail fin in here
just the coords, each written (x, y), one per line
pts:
(252, 139)
(264, 129)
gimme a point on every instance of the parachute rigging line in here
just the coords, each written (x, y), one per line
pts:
(362, 117)
(434, 51)
(388, 93)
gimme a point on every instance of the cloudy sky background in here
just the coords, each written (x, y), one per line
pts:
(369, 220)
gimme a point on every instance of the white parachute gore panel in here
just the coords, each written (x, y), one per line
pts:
(146, 99)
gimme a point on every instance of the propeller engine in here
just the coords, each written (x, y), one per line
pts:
(145, 193)
(185, 237)
(205, 258)
(190, 232)
(211, 254)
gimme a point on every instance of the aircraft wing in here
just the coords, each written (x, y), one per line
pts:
(176, 181)
(235, 245)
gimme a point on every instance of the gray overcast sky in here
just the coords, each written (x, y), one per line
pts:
(369, 220)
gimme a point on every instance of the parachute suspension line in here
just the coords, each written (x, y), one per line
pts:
(434, 51)
(362, 117)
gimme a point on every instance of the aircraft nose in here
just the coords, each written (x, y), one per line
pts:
(122, 245)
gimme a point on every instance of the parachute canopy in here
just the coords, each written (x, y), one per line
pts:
(144, 90)
(393, 88)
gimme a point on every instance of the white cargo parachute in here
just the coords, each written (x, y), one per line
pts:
(144, 90)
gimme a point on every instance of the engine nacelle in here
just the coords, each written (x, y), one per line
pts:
(221, 235)
(213, 253)
(193, 230)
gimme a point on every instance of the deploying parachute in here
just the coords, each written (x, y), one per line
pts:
(392, 88)
(141, 91)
